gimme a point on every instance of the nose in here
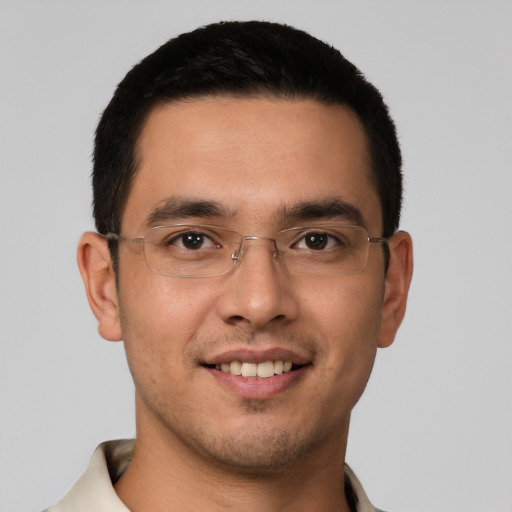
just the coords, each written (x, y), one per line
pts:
(258, 291)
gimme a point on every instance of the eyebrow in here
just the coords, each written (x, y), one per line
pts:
(178, 209)
(327, 209)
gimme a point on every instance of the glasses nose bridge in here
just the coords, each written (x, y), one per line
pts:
(237, 256)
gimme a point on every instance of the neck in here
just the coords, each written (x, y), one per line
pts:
(167, 475)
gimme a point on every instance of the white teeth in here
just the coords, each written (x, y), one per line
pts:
(265, 369)
(262, 370)
(249, 369)
(235, 368)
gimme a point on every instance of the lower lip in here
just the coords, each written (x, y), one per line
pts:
(254, 388)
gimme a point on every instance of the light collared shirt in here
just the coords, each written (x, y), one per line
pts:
(94, 491)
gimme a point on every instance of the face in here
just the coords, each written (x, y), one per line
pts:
(256, 160)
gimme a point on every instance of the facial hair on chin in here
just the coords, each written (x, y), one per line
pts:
(251, 451)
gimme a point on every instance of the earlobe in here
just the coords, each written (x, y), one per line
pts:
(398, 280)
(95, 266)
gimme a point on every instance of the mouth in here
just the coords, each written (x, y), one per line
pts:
(258, 373)
(250, 370)
(261, 374)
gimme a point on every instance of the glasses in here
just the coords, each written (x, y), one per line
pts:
(187, 250)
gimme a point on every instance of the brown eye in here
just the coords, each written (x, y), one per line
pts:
(316, 241)
(191, 240)
(321, 241)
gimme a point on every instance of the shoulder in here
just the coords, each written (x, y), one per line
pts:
(94, 491)
(356, 495)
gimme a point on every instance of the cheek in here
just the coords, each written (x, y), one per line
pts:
(159, 318)
(348, 306)
(344, 315)
(164, 306)
(347, 319)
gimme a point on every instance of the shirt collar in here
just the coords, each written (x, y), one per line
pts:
(95, 491)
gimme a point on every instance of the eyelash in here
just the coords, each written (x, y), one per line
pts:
(181, 237)
(178, 240)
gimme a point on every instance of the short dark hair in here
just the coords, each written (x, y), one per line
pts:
(243, 59)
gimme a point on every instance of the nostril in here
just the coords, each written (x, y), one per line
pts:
(235, 319)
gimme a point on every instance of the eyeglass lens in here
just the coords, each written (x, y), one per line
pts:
(199, 250)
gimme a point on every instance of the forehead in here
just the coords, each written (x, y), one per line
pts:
(253, 156)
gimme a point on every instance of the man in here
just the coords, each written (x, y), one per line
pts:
(247, 191)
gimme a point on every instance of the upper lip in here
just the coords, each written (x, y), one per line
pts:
(246, 355)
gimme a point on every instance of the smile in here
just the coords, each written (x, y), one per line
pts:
(258, 374)
(256, 370)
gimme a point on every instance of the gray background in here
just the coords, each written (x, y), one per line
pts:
(433, 431)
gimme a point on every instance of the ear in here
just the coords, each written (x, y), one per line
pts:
(398, 280)
(98, 276)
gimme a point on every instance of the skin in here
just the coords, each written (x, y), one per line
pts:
(201, 445)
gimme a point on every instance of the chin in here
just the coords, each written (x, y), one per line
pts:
(256, 452)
